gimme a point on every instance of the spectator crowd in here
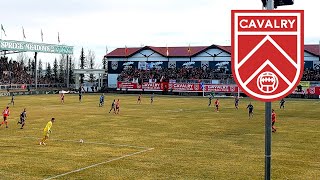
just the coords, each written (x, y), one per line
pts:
(311, 75)
(13, 72)
(165, 74)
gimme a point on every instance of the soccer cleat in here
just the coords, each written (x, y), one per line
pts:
(40, 143)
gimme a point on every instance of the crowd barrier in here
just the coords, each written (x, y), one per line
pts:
(312, 91)
(29, 92)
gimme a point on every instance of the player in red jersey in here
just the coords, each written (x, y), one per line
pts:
(5, 113)
(217, 103)
(117, 107)
(273, 118)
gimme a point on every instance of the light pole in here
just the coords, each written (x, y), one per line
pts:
(267, 176)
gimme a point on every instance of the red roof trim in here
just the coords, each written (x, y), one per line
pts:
(184, 51)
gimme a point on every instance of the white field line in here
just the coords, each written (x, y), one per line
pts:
(316, 102)
(97, 164)
(94, 165)
(87, 142)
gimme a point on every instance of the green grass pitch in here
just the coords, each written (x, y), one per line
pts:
(174, 138)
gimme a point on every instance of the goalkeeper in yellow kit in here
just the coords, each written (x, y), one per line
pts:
(47, 131)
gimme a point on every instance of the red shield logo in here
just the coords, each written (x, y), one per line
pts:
(267, 52)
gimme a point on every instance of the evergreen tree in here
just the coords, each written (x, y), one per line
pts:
(40, 69)
(29, 64)
(62, 69)
(82, 64)
(49, 72)
(104, 63)
(55, 70)
(71, 72)
(33, 68)
(105, 60)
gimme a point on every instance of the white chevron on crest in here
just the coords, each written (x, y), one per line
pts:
(263, 66)
(265, 39)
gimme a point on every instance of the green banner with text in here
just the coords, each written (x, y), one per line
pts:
(23, 46)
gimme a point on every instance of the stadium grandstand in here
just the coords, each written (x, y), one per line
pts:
(189, 69)
(26, 74)
(192, 69)
(18, 76)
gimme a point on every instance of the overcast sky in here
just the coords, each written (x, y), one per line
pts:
(95, 24)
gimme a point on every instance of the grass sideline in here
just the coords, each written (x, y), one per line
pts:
(190, 140)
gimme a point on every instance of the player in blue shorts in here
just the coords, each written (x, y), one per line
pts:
(282, 103)
(23, 117)
(101, 100)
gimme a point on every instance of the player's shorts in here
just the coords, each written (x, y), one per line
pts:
(45, 133)
(22, 120)
(236, 104)
(217, 106)
(117, 107)
(250, 111)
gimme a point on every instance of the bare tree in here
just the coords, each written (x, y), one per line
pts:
(22, 58)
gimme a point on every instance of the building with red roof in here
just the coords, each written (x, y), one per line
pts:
(213, 56)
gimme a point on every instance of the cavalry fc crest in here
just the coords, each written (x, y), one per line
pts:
(114, 65)
(267, 52)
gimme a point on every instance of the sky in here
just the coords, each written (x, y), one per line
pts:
(97, 24)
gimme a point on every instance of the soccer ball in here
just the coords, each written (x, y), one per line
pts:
(81, 141)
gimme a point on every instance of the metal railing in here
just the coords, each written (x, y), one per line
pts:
(31, 86)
